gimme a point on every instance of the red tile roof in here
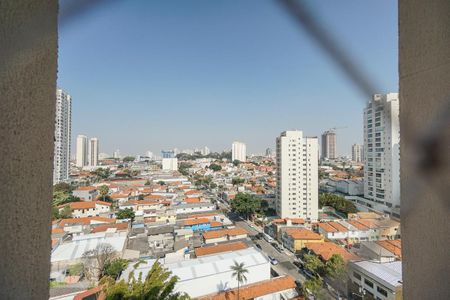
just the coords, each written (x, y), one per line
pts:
(327, 249)
(85, 221)
(303, 234)
(393, 246)
(208, 250)
(224, 232)
(190, 222)
(101, 228)
(256, 290)
(86, 188)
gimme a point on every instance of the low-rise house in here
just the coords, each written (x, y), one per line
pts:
(88, 193)
(383, 251)
(220, 248)
(376, 280)
(194, 208)
(275, 288)
(274, 228)
(84, 209)
(223, 235)
(295, 239)
(325, 250)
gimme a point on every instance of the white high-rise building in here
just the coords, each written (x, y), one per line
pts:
(329, 150)
(116, 154)
(238, 151)
(357, 153)
(93, 152)
(63, 130)
(206, 151)
(82, 151)
(170, 164)
(297, 175)
(382, 152)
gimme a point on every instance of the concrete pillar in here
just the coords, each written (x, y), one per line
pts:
(28, 60)
(424, 48)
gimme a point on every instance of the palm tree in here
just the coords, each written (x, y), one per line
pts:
(239, 274)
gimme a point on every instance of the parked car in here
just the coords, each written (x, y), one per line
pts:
(275, 245)
(298, 264)
(273, 260)
(258, 246)
(308, 274)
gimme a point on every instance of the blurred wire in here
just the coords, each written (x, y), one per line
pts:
(330, 45)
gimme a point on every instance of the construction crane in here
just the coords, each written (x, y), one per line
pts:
(340, 127)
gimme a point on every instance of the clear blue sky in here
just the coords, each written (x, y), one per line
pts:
(149, 75)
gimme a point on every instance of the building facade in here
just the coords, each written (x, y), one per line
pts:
(63, 130)
(169, 164)
(357, 153)
(238, 151)
(382, 152)
(297, 176)
(329, 145)
(93, 151)
(82, 151)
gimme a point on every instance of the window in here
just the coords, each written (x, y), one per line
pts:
(382, 291)
(368, 283)
(356, 275)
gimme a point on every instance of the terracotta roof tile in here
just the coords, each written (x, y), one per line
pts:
(224, 232)
(393, 246)
(256, 290)
(327, 249)
(303, 234)
(190, 222)
(220, 248)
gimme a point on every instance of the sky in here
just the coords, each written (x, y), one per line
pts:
(153, 75)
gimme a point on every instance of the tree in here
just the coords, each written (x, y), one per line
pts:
(237, 181)
(270, 173)
(236, 162)
(102, 173)
(75, 270)
(239, 271)
(97, 259)
(103, 191)
(335, 266)
(337, 202)
(313, 286)
(158, 284)
(126, 213)
(215, 167)
(65, 213)
(63, 187)
(245, 204)
(147, 182)
(313, 263)
(115, 267)
(161, 182)
(128, 159)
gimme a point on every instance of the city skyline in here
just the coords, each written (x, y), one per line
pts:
(230, 81)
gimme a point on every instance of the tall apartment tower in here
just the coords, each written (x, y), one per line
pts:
(297, 176)
(238, 151)
(63, 130)
(329, 145)
(82, 151)
(93, 151)
(357, 153)
(382, 152)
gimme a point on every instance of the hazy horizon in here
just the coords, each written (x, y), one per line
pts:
(188, 74)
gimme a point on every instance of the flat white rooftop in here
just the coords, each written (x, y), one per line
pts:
(388, 273)
(80, 244)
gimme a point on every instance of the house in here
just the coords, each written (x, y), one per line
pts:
(220, 248)
(194, 208)
(223, 235)
(89, 209)
(274, 288)
(376, 280)
(295, 239)
(88, 193)
(325, 250)
(274, 228)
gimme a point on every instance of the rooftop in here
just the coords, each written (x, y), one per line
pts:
(220, 248)
(390, 274)
(327, 249)
(303, 234)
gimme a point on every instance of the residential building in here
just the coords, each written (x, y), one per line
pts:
(297, 176)
(63, 130)
(238, 151)
(357, 153)
(295, 239)
(170, 164)
(269, 152)
(82, 151)
(116, 154)
(329, 145)
(86, 193)
(205, 151)
(84, 209)
(168, 154)
(376, 280)
(93, 152)
(382, 152)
